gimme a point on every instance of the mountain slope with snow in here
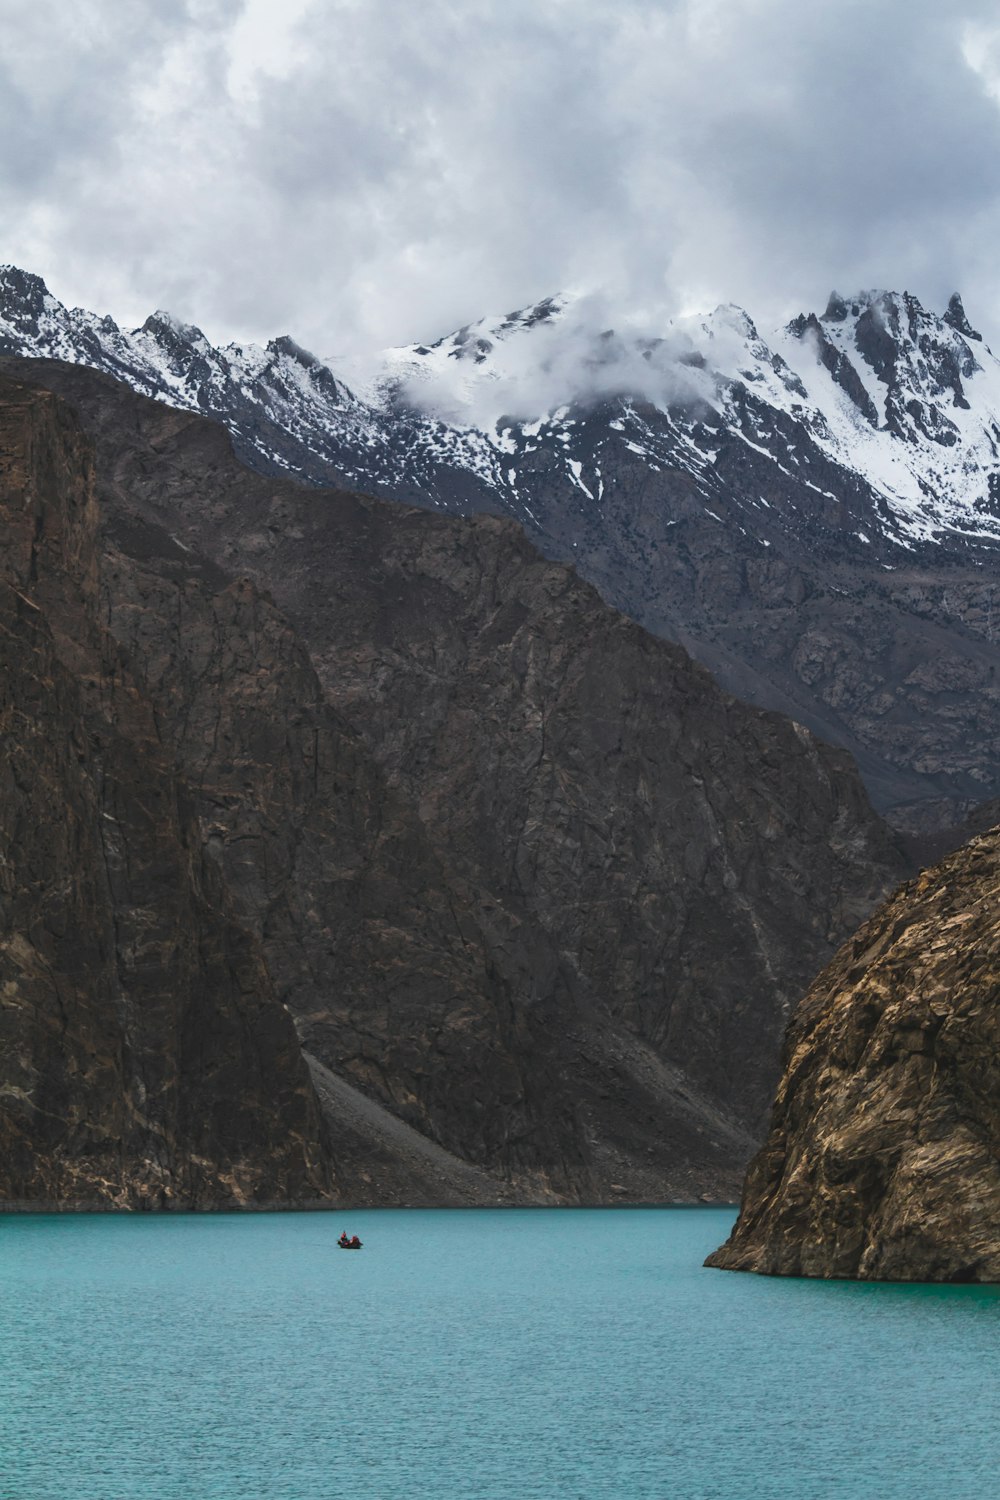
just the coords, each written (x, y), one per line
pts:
(906, 402)
(815, 514)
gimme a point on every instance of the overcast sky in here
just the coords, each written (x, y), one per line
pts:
(366, 172)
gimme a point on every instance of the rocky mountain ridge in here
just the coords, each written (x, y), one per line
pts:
(531, 886)
(812, 513)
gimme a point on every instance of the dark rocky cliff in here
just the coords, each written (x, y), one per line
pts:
(525, 877)
(883, 1160)
(145, 1058)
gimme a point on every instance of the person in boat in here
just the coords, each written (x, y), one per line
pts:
(343, 1239)
(355, 1243)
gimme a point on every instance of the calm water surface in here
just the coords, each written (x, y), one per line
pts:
(537, 1353)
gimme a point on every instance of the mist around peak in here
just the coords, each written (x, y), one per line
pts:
(572, 350)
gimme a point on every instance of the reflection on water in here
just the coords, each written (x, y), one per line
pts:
(536, 1353)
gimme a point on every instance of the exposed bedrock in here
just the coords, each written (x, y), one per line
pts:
(528, 881)
(883, 1159)
(144, 1057)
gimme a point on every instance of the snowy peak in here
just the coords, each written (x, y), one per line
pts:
(923, 363)
(894, 367)
(876, 399)
(174, 361)
(472, 372)
(174, 335)
(920, 360)
(955, 317)
(570, 350)
(478, 340)
(910, 401)
(25, 298)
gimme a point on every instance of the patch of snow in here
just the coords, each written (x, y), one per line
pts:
(576, 469)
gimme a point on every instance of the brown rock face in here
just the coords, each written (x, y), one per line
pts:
(883, 1161)
(144, 1058)
(533, 888)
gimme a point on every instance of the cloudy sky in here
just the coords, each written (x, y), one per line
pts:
(366, 172)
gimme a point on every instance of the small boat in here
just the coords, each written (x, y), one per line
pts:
(354, 1244)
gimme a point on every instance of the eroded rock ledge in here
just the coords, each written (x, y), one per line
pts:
(883, 1160)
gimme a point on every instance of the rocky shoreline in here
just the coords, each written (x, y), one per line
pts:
(883, 1158)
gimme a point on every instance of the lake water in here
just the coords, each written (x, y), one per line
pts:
(558, 1353)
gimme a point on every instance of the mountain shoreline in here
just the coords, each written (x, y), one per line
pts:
(881, 1163)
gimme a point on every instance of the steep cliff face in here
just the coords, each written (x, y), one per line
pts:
(883, 1160)
(688, 858)
(376, 943)
(145, 1058)
(524, 875)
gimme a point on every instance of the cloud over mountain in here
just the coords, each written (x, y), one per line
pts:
(362, 174)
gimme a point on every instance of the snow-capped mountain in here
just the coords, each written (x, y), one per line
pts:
(906, 403)
(814, 512)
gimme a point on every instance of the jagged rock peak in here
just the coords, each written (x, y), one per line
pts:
(836, 309)
(896, 307)
(883, 1160)
(316, 372)
(480, 337)
(956, 318)
(167, 329)
(839, 309)
(285, 344)
(24, 291)
(731, 315)
(540, 312)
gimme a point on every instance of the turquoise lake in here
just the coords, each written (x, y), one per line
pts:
(538, 1353)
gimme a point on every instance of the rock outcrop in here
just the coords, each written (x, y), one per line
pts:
(883, 1160)
(145, 1059)
(529, 883)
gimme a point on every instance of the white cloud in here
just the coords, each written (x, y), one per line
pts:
(369, 173)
